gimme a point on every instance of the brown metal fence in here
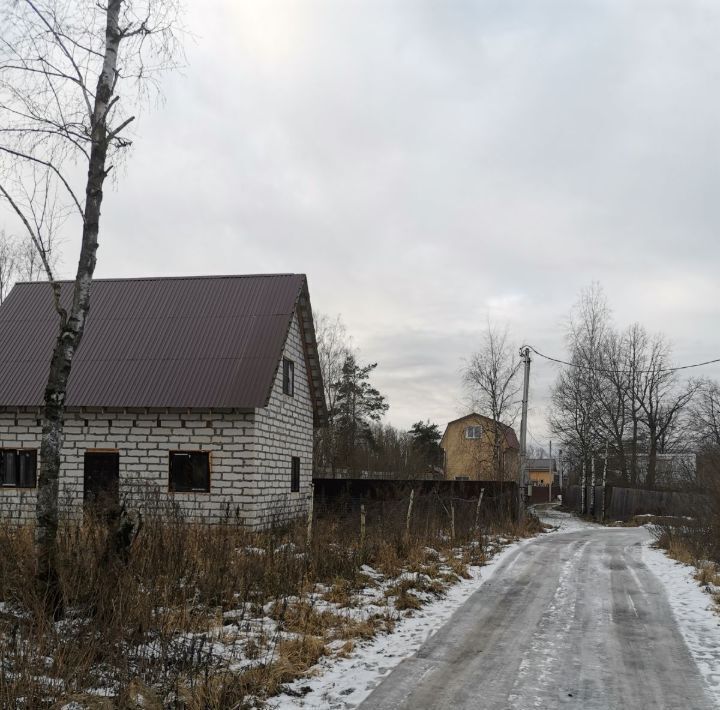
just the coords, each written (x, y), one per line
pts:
(436, 504)
(544, 494)
(624, 503)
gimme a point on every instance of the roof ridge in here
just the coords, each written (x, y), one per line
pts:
(169, 278)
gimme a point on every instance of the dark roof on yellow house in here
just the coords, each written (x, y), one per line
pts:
(541, 464)
(211, 342)
(510, 436)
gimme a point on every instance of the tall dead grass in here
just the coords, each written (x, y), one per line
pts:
(696, 541)
(144, 627)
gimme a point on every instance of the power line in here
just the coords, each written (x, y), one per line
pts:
(542, 446)
(619, 372)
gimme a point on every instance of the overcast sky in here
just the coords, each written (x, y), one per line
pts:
(432, 164)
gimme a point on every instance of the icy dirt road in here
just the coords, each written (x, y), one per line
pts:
(573, 620)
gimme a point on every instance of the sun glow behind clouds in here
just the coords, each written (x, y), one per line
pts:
(272, 32)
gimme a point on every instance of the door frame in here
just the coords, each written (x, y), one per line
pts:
(89, 452)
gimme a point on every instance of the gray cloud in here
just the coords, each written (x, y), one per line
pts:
(432, 164)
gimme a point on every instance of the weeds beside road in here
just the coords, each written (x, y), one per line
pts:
(696, 541)
(201, 616)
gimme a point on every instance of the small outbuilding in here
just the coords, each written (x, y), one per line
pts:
(199, 394)
(541, 472)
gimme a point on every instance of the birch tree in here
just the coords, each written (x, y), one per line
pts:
(71, 76)
(576, 397)
(615, 398)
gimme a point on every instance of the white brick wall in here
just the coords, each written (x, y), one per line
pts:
(250, 454)
(143, 441)
(284, 429)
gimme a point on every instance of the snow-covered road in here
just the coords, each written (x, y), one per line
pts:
(587, 617)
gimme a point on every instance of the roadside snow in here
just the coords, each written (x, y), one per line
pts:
(345, 683)
(560, 521)
(693, 610)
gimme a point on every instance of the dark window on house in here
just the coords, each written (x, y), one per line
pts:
(18, 468)
(295, 475)
(189, 471)
(473, 432)
(288, 377)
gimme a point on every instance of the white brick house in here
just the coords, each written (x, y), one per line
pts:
(196, 394)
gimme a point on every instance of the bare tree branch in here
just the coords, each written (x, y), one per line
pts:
(38, 245)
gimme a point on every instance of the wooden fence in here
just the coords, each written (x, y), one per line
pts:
(624, 503)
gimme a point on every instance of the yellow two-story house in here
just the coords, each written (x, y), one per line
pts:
(470, 452)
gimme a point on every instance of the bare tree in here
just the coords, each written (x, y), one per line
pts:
(704, 416)
(29, 266)
(8, 264)
(20, 261)
(662, 400)
(334, 346)
(576, 397)
(615, 398)
(70, 76)
(491, 380)
(536, 452)
(635, 345)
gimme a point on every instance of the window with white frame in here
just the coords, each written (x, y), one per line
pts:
(473, 432)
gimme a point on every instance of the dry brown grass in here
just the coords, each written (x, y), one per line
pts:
(696, 541)
(147, 626)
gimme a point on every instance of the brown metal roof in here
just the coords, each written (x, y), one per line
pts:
(195, 342)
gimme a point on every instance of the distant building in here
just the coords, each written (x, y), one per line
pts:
(541, 472)
(468, 446)
(197, 393)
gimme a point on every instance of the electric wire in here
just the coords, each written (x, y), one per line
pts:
(609, 371)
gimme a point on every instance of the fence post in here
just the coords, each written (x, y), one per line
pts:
(362, 525)
(310, 514)
(477, 509)
(409, 513)
(452, 521)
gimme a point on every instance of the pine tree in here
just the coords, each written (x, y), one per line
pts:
(426, 442)
(358, 404)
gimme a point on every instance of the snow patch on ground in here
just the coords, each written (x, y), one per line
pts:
(561, 521)
(694, 611)
(345, 683)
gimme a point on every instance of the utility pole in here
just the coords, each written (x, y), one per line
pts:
(522, 474)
